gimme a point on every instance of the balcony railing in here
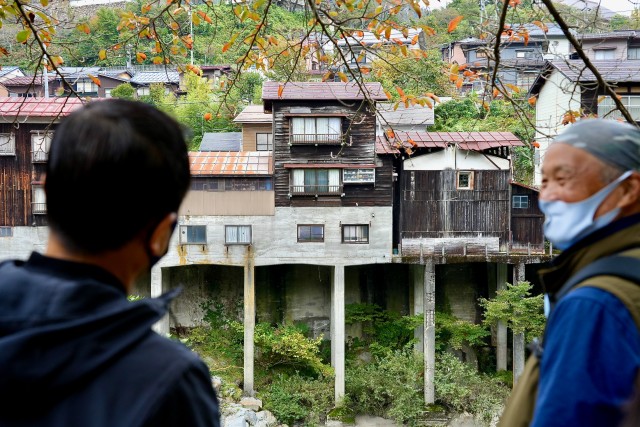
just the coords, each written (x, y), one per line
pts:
(316, 190)
(315, 139)
(39, 208)
(39, 156)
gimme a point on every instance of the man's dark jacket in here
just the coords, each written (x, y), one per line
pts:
(75, 352)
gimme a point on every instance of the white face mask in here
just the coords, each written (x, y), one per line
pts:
(566, 223)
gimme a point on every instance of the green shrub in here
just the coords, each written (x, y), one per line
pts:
(452, 332)
(461, 388)
(386, 328)
(391, 385)
(295, 398)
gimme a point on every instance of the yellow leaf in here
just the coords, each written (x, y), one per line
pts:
(95, 79)
(414, 40)
(541, 25)
(343, 76)
(326, 76)
(102, 55)
(386, 92)
(454, 69)
(140, 57)
(513, 87)
(453, 24)
(601, 98)
(44, 3)
(157, 60)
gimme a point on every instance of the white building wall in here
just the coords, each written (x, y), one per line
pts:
(24, 241)
(557, 96)
(274, 238)
(453, 158)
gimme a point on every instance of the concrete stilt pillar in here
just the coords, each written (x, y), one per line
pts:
(337, 330)
(501, 330)
(429, 330)
(518, 339)
(249, 326)
(418, 303)
(162, 325)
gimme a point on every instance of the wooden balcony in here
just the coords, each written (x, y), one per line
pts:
(316, 190)
(315, 139)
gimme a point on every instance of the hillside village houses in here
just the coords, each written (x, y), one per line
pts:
(316, 211)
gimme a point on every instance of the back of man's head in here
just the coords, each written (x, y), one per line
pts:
(115, 169)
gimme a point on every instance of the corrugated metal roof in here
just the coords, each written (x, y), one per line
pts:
(221, 141)
(254, 114)
(148, 77)
(242, 163)
(26, 80)
(413, 115)
(322, 91)
(74, 73)
(473, 141)
(38, 107)
(611, 71)
(6, 69)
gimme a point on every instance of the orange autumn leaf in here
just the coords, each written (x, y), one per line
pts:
(386, 92)
(536, 144)
(453, 24)
(532, 100)
(207, 116)
(496, 92)
(459, 83)
(541, 25)
(280, 90)
(400, 91)
(140, 57)
(95, 80)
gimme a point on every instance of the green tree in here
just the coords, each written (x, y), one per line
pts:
(124, 91)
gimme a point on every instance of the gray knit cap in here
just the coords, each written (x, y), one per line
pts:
(610, 141)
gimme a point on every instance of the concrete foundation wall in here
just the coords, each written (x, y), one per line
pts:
(24, 241)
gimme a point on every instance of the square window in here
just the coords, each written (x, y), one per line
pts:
(355, 233)
(237, 234)
(193, 234)
(311, 233)
(38, 199)
(6, 231)
(520, 202)
(465, 180)
(264, 141)
(40, 144)
(7, 144)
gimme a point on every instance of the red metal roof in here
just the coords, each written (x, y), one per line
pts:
(38, 107)
(473, 141)
(322, 91)
(242, 163)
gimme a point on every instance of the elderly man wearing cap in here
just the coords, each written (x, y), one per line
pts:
(583, 371)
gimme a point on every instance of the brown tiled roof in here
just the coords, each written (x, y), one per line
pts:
(322, 91)
(473, 141)
(26, 80)
(38, 107)
(253, 114)
(239, 163)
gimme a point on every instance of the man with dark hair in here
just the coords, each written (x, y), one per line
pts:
(583, 371)
(73, 350)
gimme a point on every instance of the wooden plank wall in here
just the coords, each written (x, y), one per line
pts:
(361, 127)
(431, 207)
(526, 224)
(16, 175)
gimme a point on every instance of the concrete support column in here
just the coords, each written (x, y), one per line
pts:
(429, 330)
(162, 325)
(518, 339)
(337, 330)
(417, 272)
(501, 330)
(249, 325)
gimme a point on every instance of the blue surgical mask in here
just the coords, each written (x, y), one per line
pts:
(566, 223)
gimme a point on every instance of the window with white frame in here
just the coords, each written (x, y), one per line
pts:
(86, 86)
(6, 231)
(7, 144)
(237, 234)
(40, 144)
(520, 201)
(311, 233)
(358, 233)
(607, 108)
(359, 176)
(264, 141)
(38, 199)
(604, 54)
(464, 180)
(193, 234)
(316, 130)
(143, 91)
(315, 181)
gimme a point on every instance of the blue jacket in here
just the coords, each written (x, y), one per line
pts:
(75, 352)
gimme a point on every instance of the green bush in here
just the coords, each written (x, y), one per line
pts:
(452, 332)
(461, 388)
(295, 398)
(386, 328)
(390, 386)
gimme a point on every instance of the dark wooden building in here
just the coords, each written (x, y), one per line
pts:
(526, 218)
(324, 145)
(25, 135)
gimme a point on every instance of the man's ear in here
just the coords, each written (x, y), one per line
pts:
(631, 195)
(159, 241)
